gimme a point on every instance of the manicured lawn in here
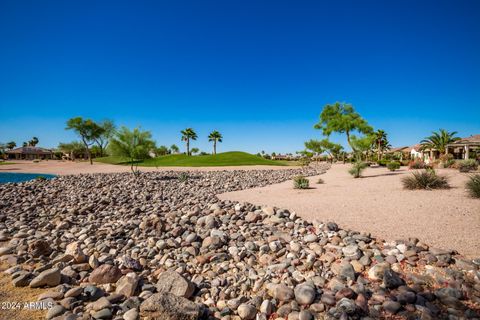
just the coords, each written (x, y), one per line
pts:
(233, 158)
(2, 163)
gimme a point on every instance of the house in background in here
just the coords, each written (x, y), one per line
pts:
(465, 148)
(29, 153)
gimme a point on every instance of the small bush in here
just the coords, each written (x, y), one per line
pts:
(300, 182)
(473, 186)
(467, 165)
(425, 180)
(40, 178)
(417, 164)
(183, 176)
(392, 166)
(357, 168)
(320, 181)
(304, 161)
(382, 163)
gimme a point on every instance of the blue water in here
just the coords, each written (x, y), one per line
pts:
(21, 177)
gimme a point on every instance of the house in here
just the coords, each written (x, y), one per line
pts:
(416, 152)
(465, 147)
(29, 153)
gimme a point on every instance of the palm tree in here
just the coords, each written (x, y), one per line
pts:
(33, 142)
(381, 142)
(215, 136)
(187, 135)
(174, 149)
(439, 140)
(11, 145)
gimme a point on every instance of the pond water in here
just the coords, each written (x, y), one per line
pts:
(21, 177)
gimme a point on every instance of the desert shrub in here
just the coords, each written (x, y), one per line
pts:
(393, 165)
(427, 179)
(320, 181)
(446, 160)
(300, 182)
(417, 164)
(40, 178)
(183, 176)
(357, 168)
(383, 163)
(473, 186)
(304, 161)
(405, 162)
(467, 165)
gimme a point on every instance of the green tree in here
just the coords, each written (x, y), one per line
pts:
(439, 140)
(324, 145)
(362, 145)
(87, 130)
(215, 137)
(33, 142)
(162, 150)
(381, 142)
(10, 145)
(74, 149)
(24, 144)
(106, 132)
(174, 148)
(134, 145)
(342, 118)
(187, 135)
(195, 150)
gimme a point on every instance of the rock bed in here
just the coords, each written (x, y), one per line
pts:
(162, 246)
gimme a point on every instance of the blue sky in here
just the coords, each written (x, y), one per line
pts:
(257, 71)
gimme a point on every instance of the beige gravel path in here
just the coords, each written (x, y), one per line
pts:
(377, 204)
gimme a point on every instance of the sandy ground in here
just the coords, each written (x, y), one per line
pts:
(377, 204)
(69, 167)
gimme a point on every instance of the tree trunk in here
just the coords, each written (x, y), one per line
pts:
(188, 147)
(349, 142)
(379, 151)
(215, 147)
(88, 151)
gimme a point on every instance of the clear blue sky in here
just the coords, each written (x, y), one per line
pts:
(258, 71)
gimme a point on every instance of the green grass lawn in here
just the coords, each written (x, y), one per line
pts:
(2, 163)
(233, 158)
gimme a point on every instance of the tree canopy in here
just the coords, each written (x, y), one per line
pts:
(106, 132)
(439, 140)
(134, 145)
(87, 130)
(215, 137)
(187, 135)
(342, 118)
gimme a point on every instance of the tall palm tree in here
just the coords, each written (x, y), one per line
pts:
(439, 140)
(11, 145)
(33, 142)
(187, 135)
(381, 142)
(215, 136)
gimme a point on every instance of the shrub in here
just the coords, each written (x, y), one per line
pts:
(357, 168)
(383, 163)
(417, 164)
(300, 182)
(183, 176)
(304, 161)
(320, 181)
(467, 165)
(473, 186)
(40, 178)
(425, 180)
(392, 166)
